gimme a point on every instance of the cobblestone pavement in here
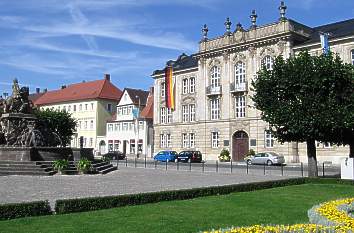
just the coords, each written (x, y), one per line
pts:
(15, 189)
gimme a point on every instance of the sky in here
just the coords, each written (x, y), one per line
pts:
(50, 43)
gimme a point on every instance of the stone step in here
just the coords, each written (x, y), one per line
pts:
(22, 168)
(17, 162)
(98, 164)
(107, 170)
(29, 173)
(103, 167)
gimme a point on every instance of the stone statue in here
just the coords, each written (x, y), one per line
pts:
(18, 102)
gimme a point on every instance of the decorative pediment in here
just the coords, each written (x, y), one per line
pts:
(188, 100)
(239, 57)
(214, 62)
(267, 51)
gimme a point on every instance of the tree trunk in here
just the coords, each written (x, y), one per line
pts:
(312, 159)
(351, 149)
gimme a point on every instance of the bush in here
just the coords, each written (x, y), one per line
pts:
(97, 203)
(251, 152)
(84, 165)
(60, 165)
(224, 155)
(10, 211)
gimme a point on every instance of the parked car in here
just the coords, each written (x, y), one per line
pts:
(113, 155)
(190, 156)
(167, 155)
(268, 158)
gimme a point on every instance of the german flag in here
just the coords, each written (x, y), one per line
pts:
(170, 95)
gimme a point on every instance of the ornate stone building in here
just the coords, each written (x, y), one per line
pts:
(213, 105)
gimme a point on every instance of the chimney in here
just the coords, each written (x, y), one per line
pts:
(38, 90)
(107, 77)
(63, 86)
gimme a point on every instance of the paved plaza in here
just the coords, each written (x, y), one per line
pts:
(126, 180)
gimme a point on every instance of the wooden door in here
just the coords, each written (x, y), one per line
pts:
(240, 146)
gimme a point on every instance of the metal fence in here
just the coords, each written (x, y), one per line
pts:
(299, 170)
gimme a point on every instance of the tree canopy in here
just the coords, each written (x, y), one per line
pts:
(307, 98)
(59, 122)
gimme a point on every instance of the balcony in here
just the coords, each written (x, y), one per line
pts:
(238, 87)
(212, 90)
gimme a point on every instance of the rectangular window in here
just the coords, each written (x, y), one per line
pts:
(92, 105)
(91, 142)
(162, 141)
(85, 125)
(169, 115)
(185, 113)
(185, 86)
(119, 111)
(192, 112)
(80, 107)
(91, 124)
(240, 106)
(110, 127)
(116, 127)
(86, 107)
(74, 108)
(215, 139)
(215, 109)
(131, 126)
(85, 142)
(352, 52)
(64, 108)
(192, 140)
(168, 140)
(141, 125)
(269, 139)
(192, 85)
(125, 126)
(185, 140)
(109, 107)
(163, 89)
(163, 115)
(69, 108)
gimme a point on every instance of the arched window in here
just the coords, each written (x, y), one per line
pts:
(192, 85)
(185, 86)
(215, 76)
(240, 73)
(267, 62)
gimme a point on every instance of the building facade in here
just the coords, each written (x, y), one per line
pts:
(212, 87)
(91, 104)
(130, 130)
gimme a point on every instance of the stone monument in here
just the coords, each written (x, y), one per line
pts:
(23, 137)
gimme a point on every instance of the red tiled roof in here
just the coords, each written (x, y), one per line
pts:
(148, 111)
(99, 89)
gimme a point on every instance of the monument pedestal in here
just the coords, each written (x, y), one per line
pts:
(347, 169)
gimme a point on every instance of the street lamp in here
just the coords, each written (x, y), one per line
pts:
(137, 128)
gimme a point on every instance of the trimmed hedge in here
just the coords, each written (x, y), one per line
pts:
(97, 203)
(26, 209)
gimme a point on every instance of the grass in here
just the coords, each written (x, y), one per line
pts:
(286, 205)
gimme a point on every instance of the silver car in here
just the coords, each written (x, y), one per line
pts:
(268, 158)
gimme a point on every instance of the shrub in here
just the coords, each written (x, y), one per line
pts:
(10, 211)
(251, 152)
(96, 203)
(60, 164)
(224, 155)
(84, 165)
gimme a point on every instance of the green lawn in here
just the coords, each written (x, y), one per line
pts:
(286, 205)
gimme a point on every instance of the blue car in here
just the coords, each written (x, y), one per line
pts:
(166, 155)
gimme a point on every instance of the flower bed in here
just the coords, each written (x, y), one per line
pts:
(333, 216)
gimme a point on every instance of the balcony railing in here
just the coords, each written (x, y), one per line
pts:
(238, 87)
(213, 90)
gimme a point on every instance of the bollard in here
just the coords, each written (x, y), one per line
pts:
(155, 162)
(166, 164)
(190, 165)
(126, 161)
(145, 162)
(203, 166)
(302, 169)
(323, 170)
(282, 170)
(117, 162)
(177, 165)
(231, 165)
(217, 166)
(247, 167)
(264, 169)
(134, 162)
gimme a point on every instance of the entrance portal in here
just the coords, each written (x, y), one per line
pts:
(240, 145)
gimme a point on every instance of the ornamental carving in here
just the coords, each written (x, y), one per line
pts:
(252, 51)
(267, 51)
(281, 46)
(239, 57)
(214, 62)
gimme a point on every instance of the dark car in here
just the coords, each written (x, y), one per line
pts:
(190, 156)
(113, 155)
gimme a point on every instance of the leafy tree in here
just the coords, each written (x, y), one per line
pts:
(59, 122)
(305, 98)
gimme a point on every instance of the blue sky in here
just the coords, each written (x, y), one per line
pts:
(48, 43)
